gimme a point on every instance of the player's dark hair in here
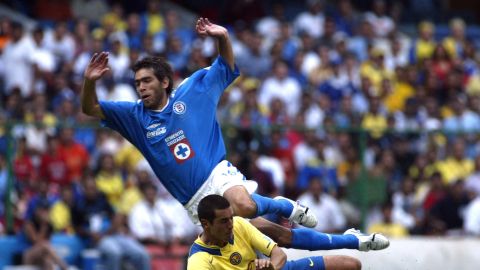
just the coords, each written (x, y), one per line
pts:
(160, 67)
(208, 205)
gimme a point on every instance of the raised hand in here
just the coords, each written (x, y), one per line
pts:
(205, 28)
(97, 67)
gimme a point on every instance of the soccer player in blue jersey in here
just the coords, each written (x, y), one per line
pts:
(229, 242)
(177, 132)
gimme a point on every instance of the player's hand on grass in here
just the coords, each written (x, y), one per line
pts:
(205, 28)
(97, 67)
(263, 264)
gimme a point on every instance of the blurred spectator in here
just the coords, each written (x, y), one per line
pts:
(53, 166)
(375, 120)
(424, 46)
(381, 22)
(118, 60)
(172, 29)
(147, 219)
(114, 19)
(92, 10)
(96, 222)
(61, 43)
(323, 205)
(388, 226)
(456, 164)
(5, 32)
(266, 186)
(311, 21)
(472, 181)
(151, 220)
(320, 165)
(60, 212)
(404, 210)
(109, 179)
(346, 17)
(281, 86)
(310, 115)
(446, 213)
(254, 61)
(134, 32)
(270, 26)
(472, 217)
(23, 168)
(41, 197)
(74, 153)
(305, 150)
(37, 232)
(18, 53)
(152, 19)
(454, 43)
(462, 119)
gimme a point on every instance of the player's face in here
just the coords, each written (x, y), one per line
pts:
(221, 228)
(150, 89)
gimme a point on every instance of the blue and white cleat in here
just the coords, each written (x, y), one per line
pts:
(300, 214)
(374, 241)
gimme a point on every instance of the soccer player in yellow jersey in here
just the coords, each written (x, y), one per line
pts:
(229, 242)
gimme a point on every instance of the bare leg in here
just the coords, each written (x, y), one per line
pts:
(281, 235)
(241, 201)
(341, 262)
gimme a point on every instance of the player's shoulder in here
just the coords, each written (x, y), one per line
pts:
(198, 250)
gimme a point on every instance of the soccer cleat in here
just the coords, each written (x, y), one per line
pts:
(300, 214)
(374, 241)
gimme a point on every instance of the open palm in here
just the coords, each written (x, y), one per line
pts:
(97, 67)
(205, 28)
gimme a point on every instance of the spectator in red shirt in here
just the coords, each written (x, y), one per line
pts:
(75, 154)
(23, 168)
(53, 165)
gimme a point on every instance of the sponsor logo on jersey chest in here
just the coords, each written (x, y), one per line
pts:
(179, 107)
(179, 146)
(235, 258)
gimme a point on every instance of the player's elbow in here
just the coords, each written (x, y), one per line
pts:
(92, 110)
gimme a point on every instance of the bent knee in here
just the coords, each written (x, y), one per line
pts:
(246, 208)
(353, 263)
(341, 262)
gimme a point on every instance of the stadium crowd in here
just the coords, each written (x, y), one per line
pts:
(335, 106)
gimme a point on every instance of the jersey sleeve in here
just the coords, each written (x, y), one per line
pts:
(219, 76)
(120, 116)
(258, 240)
(199, 261)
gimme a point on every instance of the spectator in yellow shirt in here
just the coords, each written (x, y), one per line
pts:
(423, 47)
(109, 180)
(457, 165)
(455, 42)
(387, 227)
(374, 120)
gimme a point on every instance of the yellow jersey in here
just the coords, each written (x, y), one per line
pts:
(239, 253)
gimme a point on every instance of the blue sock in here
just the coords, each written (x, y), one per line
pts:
(309, 263)
(308, 239)
(267, 205)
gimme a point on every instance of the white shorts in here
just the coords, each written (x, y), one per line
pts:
(223, 177)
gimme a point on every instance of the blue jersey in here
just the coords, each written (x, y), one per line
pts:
(183, 142)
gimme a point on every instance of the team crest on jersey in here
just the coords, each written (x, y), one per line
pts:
(180, 146)
(235, 258)
(179, 107)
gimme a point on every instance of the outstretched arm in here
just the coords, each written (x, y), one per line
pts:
(96, 68)
(205, 28)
